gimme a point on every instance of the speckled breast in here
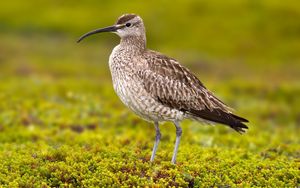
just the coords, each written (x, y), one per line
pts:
(129, 87)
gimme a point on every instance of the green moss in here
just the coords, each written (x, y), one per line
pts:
(50, 137)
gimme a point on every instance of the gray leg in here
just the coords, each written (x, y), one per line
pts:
(178, 135)
(157, 139)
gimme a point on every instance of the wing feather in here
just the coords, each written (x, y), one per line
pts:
(175, 86)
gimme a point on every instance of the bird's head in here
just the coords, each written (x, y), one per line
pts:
(127, 25)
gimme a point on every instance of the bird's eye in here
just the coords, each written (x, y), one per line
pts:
(128, 24)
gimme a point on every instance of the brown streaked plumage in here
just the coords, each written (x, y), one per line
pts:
(158, 88)
(193, 98)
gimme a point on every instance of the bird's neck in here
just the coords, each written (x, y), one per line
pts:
(134, 43)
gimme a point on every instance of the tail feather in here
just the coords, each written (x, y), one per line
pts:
(219, 116)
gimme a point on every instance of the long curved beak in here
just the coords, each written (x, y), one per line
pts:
(106, 29)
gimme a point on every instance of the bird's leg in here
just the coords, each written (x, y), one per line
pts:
(178, 135)
(157, 139)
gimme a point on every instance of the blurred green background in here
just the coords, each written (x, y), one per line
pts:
(62, 125)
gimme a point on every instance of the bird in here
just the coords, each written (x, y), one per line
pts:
(157, 87)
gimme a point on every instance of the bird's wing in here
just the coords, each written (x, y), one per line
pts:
(175, 86)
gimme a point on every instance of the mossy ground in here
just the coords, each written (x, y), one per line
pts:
(61, 125)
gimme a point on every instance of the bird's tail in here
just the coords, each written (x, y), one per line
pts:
(226, 118)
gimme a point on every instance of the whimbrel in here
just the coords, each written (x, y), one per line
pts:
(158, 88)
